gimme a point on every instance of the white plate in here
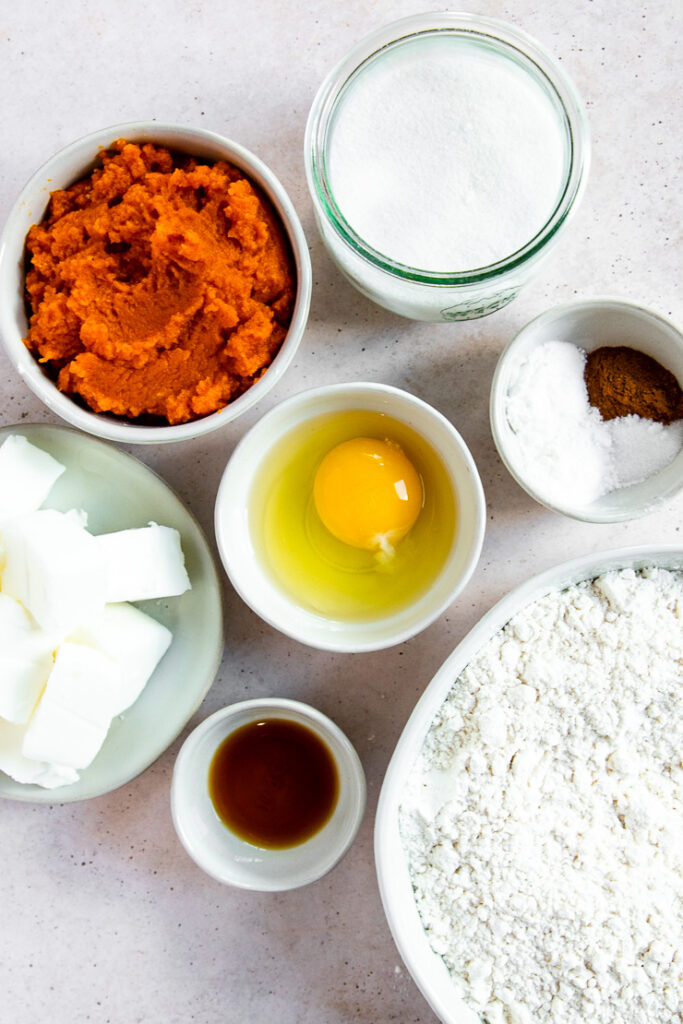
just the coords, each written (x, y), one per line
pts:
(118, 492)
(426, 967)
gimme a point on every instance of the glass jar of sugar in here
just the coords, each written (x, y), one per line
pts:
(444, 155)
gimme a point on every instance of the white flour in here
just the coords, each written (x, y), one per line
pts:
(543, 821)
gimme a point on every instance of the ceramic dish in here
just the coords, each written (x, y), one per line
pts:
(249, 569)
(591, 325)
(220, 852)
(426, 967)
(73, 163)
(118, 492)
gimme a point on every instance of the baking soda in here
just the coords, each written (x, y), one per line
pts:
(561, 446)
(445, 156)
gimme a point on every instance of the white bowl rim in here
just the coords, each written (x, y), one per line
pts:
(337, 642)
(124, 432)
(322, 725)
(586, 514)
(392, 875)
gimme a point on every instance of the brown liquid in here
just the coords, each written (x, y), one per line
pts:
(274, 783)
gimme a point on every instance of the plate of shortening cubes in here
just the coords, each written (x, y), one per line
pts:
(110, 615)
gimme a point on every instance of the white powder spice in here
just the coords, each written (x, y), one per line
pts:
(641, 447)
(445, 156)
(561, 445)
(543, 821)
(557, 444)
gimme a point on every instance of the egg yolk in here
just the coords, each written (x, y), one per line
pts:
(367, 493)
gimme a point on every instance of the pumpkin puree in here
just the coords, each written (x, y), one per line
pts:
(158, 286)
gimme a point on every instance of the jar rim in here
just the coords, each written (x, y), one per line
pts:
(513, 43)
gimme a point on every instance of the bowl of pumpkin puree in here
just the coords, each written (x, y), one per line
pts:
(154, 282)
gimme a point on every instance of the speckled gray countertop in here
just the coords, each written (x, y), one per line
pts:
(104, 917)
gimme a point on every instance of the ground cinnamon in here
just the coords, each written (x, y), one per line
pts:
(622, 381)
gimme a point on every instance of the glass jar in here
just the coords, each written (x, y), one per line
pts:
(428, 294)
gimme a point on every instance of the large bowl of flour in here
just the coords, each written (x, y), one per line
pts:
(527, 840)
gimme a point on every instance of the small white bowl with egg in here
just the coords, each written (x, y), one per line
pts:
(68, 167)
(220, 850)
(547, 462)
(340, 592)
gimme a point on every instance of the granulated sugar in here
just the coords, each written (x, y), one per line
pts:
(542, 821)
(561, 446)
(445, 156)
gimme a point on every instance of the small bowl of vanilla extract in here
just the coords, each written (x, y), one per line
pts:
(267, 794)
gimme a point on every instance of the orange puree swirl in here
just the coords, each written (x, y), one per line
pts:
(158, 286)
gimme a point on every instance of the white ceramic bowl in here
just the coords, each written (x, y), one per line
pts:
(250, 576)
(426, 967)
(73, 163)
(220, 852)
(118, 492)
(590, 325)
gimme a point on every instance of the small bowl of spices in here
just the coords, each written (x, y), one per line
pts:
(267, 794)
(154, 282)
(587, 410)
(350, 516)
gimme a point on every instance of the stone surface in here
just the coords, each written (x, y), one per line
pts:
(104, 917)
